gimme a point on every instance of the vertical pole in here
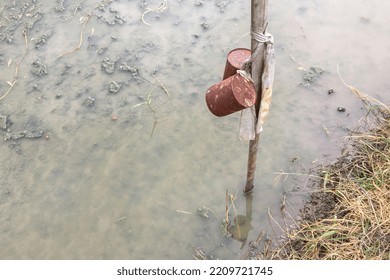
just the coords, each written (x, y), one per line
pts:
(258, 23)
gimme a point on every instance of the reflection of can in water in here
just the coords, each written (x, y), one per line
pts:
(239, 219)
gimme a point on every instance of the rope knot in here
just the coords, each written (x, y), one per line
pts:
(261, 37)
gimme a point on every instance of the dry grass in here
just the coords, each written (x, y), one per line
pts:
(358, 228)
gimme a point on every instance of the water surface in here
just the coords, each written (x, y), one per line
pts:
(120, 174)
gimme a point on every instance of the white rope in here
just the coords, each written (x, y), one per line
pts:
(249, 125)
(260, 37)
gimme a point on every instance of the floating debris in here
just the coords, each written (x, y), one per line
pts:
(203, 212)
(341, 109)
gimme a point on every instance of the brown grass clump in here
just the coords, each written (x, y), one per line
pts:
(358, 227)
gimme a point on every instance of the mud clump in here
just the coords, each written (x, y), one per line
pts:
(199, 3)
(89, 101)
(4, 123)
(23, 134)
(312, 75)
(114, 87)
(127, 68)
(221, 4)
(38, 68)
(319, 207)
(108, 65)
(42, 40)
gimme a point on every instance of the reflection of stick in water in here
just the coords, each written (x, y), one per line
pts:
(242, 223)
(237, 220)
(227, 209)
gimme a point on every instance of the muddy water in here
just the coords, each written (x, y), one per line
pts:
(123, 151)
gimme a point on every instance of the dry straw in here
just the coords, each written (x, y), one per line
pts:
(358, 227)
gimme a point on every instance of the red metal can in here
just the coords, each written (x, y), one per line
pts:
(230, 95)
(235, 60)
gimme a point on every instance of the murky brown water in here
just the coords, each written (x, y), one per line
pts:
(108, 183)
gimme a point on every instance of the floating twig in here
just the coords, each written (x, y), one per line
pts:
(200, 254)
(149, 100)
(325, 129)
(184, 212)
(120, 220)
(300, 66)
(25, 53)
(14, 81)
(81, 37)
(163, 6)
(286, 174)
(364, 97)
(11, 84)
(161, 85)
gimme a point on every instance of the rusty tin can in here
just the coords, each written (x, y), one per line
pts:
(235, 60)
(230, 95)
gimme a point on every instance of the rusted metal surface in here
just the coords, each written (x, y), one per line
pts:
(235, 60)
(230, 95)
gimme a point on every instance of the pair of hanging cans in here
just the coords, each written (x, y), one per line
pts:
(235, 92)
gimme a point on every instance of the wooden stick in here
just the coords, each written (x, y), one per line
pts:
(258, 22)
